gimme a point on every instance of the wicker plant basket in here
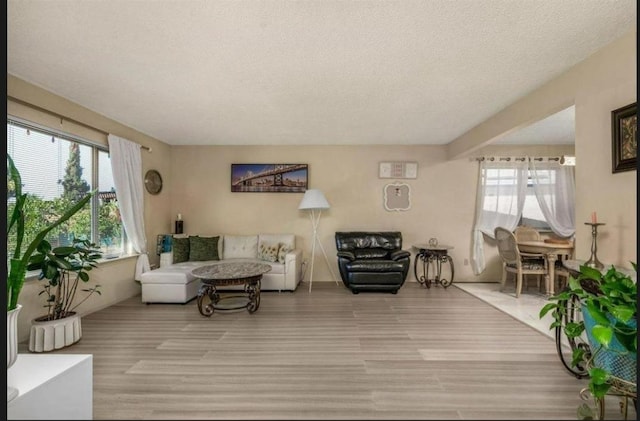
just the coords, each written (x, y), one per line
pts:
(618, 361)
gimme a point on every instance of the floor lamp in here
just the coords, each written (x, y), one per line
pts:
(314, 202)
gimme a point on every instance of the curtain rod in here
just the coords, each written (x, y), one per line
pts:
(62, 117)
(518, 158)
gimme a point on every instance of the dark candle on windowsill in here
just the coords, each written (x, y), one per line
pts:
(179, 225)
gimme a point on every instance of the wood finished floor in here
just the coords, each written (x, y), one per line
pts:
(420, 354)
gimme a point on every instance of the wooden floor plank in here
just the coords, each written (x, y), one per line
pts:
(420, 354)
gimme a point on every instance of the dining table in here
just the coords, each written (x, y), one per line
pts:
(551, 250)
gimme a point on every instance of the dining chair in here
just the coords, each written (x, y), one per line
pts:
(516, 262)
(527, 233)
(562, 275)
(561, 272)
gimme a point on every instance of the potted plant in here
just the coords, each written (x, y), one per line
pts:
(20, 256)
(608, 304)
(63, 269)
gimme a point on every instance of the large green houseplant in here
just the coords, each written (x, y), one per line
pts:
(64, 268)
(19, 258)
(609, 308)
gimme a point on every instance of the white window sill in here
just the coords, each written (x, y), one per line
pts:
(116, 258)
(33, 275)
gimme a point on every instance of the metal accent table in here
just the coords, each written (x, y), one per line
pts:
(431, 258)
(225, 274)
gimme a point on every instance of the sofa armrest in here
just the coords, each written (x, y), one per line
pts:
(399, 254)
(347, 255)
(292, 269)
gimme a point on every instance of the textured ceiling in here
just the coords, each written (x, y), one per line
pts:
(304, 72)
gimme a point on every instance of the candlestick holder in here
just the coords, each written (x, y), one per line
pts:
(593, 261)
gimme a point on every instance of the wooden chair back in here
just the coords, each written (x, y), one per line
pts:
(524, 233)
(507, 246)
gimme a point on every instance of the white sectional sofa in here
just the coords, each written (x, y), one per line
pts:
(174, 283)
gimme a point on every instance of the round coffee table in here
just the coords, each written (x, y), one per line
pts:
(225, 274)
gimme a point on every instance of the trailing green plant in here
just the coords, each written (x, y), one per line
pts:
(64, 268)
(611, 301)
(19, 258)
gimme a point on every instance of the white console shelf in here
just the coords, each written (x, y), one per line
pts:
(51, 387)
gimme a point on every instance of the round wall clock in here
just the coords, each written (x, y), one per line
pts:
(153, 181)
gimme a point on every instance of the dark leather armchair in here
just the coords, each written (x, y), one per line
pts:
(372, 261)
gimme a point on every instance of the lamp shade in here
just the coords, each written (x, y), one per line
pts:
(314, 199)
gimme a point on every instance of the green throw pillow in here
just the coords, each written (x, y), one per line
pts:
(268, 252)
(203, 248)
(180, 249)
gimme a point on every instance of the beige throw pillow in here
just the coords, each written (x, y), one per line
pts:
(282, 252)
(268, 252)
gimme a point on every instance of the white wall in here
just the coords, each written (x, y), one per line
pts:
(442, 197)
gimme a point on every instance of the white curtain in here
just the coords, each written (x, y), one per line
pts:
(126, 163)
(554, 185)
(499, 201)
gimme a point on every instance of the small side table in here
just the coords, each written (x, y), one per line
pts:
(429, 260)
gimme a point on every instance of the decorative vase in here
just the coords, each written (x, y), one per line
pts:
(47, 335)
(12, 345)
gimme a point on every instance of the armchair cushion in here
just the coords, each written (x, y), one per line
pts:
(346, 255)
(373, 265)
(370, 253)
(399, 254)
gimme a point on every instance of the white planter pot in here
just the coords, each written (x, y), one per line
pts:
(12, 345)
(54, 334)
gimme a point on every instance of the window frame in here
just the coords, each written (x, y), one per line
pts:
(96, 148)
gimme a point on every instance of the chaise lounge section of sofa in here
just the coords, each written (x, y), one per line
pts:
(174, 283)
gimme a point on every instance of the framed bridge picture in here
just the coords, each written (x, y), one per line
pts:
(269, 178)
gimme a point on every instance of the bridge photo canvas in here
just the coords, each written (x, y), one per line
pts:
(269, 178)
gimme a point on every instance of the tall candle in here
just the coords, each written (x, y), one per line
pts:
(594, 218)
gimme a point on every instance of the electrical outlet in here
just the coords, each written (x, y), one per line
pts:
(466, 262)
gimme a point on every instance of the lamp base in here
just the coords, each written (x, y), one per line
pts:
(315, 221)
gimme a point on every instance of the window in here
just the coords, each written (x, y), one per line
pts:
(532, 215)
(501, 191)
(541, 195)
(57, 169)
(501, 196)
